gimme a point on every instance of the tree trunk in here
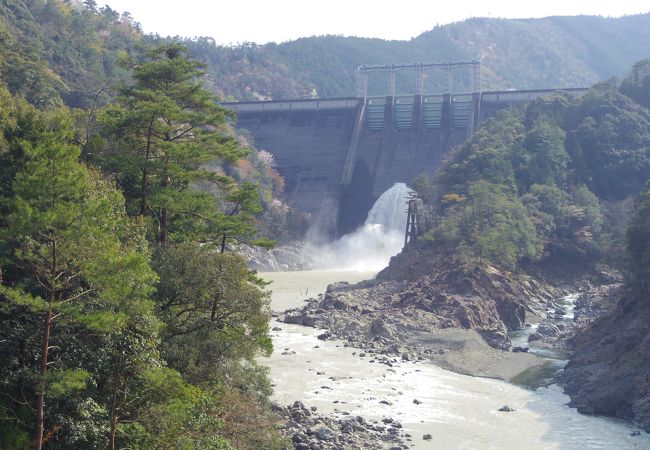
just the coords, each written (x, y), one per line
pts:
(143, 190)
(164, 225)
(114, 416)
(40, 408)
(164, 216)
(145, 176)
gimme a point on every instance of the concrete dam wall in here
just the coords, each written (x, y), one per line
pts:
(338, 156)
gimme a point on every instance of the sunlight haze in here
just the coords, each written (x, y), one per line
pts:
(262, 21)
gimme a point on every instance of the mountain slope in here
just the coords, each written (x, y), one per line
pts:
(554, 51)
(65, 49)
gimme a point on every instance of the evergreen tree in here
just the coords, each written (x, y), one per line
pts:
(72, 240)
(638, 243)
(213, 308)
(166, 128)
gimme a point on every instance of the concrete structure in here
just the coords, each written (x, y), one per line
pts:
(339, 155)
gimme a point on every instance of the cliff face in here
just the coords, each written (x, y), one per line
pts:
(609, 372)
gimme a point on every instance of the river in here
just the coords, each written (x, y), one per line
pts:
(460, 412)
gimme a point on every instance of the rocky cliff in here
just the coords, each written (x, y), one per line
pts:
(609, 372)
(443, 295)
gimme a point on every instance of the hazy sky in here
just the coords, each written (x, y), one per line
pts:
(261, 21)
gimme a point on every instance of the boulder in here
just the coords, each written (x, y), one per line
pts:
(324, 336)
(548, 330)
(325, 434)
(336, 286)
(380, 328)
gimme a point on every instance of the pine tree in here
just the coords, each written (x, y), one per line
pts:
(166, 128)
(71, 239)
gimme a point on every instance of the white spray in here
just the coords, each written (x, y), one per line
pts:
(372, 245)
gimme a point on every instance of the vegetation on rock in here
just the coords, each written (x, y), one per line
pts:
(548, 179)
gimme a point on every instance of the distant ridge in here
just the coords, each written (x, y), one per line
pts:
(569, 51)
(52, 50)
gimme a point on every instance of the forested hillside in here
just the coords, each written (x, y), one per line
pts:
(551, 179)
(611, 375)
(521, 54)
(53, 50)
(70, 48)
(126, 321)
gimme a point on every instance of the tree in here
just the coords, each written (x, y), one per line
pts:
(549, 159)
(613, 135)
(637, 84)
(490, 223)
(71, 239)
(214, 310)
(166, 128)
(638, 242)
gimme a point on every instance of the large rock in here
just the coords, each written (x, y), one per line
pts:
(438, 292)
(379, 327)
(325, 434)
(548, 330)
(544, 330)
(609, 372)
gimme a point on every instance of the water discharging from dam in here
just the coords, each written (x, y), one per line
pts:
(371, 246)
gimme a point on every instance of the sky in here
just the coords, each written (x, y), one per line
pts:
(262, 21)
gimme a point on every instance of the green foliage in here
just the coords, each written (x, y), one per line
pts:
(178, 415)
(165, 129)
(547, 157)
(491, 224)
(57, 50)
(65, 382)
(637, 83)
(638, 242)
(424, 188)
(73, 258)
(53, 51)
(611, 143)
(565, 221)
(523, 54)
(214, 311)
(546, 179)
(488, 156)
(75, 272)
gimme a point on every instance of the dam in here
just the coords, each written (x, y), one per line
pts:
(339, 155)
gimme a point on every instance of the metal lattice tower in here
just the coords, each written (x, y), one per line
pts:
(412, 221)
(420, 69)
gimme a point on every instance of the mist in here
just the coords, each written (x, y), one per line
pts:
(370, 247)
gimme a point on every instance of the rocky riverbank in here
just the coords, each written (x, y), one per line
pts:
(428, 307)
(309, 430)
(454, 318)
(573, 314)
(609, 372)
